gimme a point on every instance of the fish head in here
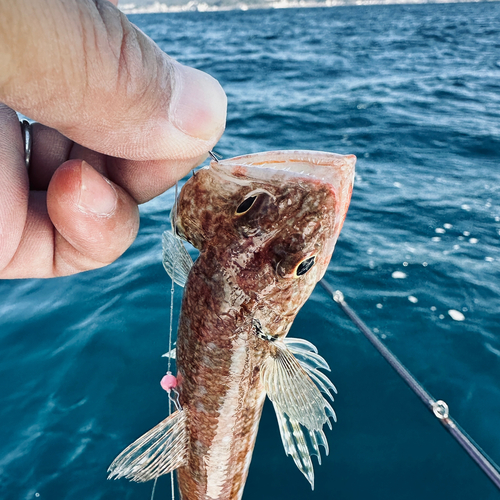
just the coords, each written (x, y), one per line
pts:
(270, 220)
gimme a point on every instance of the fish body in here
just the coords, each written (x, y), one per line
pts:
(266, 226)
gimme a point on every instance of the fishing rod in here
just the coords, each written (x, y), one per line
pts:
(439, 408)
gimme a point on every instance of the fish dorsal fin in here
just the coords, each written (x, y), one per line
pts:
(160, 451)
(176, 259)
(293, 382)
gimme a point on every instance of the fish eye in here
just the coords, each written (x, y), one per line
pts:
(305, 265)
(246, 205)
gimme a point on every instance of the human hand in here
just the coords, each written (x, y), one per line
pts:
(122, 121)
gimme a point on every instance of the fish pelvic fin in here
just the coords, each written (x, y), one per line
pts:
(160, 451)
(294, 384)
(176, 259)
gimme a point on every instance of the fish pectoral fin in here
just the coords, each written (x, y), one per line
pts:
(160, 451)
(301, 443)
(290, 382)
(176, 259)
(294, 385)
(309, 359)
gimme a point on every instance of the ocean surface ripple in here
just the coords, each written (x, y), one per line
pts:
(414, 93)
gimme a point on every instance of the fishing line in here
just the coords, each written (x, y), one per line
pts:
(172, 290)
(154, 488)
(170, 329)
(439, 408)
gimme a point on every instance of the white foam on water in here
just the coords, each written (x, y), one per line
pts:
(398, 275)
(397, 185)
(412, 299)
(379, 306)
(465, 207)
(436, 238)
(456, 315)
(447, 226)
(440, 230)
(433, 308)
(466, 233)
(492, 349)
(489, 259)
(473, 241)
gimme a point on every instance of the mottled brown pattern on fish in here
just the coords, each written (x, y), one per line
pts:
(207, 341)
(244, 273)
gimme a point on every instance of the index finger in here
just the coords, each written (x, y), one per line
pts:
(14, 185)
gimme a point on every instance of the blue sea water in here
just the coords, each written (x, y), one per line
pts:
(414, 92)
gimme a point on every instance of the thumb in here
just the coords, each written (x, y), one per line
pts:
(82, 68)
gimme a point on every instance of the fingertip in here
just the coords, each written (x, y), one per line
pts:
(97, 195)
(198, 104)
(64, 186)
(96, 219)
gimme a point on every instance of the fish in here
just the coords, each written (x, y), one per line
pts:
(265, 225)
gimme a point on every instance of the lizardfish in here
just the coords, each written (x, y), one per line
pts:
(266, 225)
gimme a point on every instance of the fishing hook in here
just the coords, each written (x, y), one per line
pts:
(215, 156)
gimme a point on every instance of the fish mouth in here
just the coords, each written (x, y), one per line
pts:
(313, 164)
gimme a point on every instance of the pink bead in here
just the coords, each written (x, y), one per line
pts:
(168, 382)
